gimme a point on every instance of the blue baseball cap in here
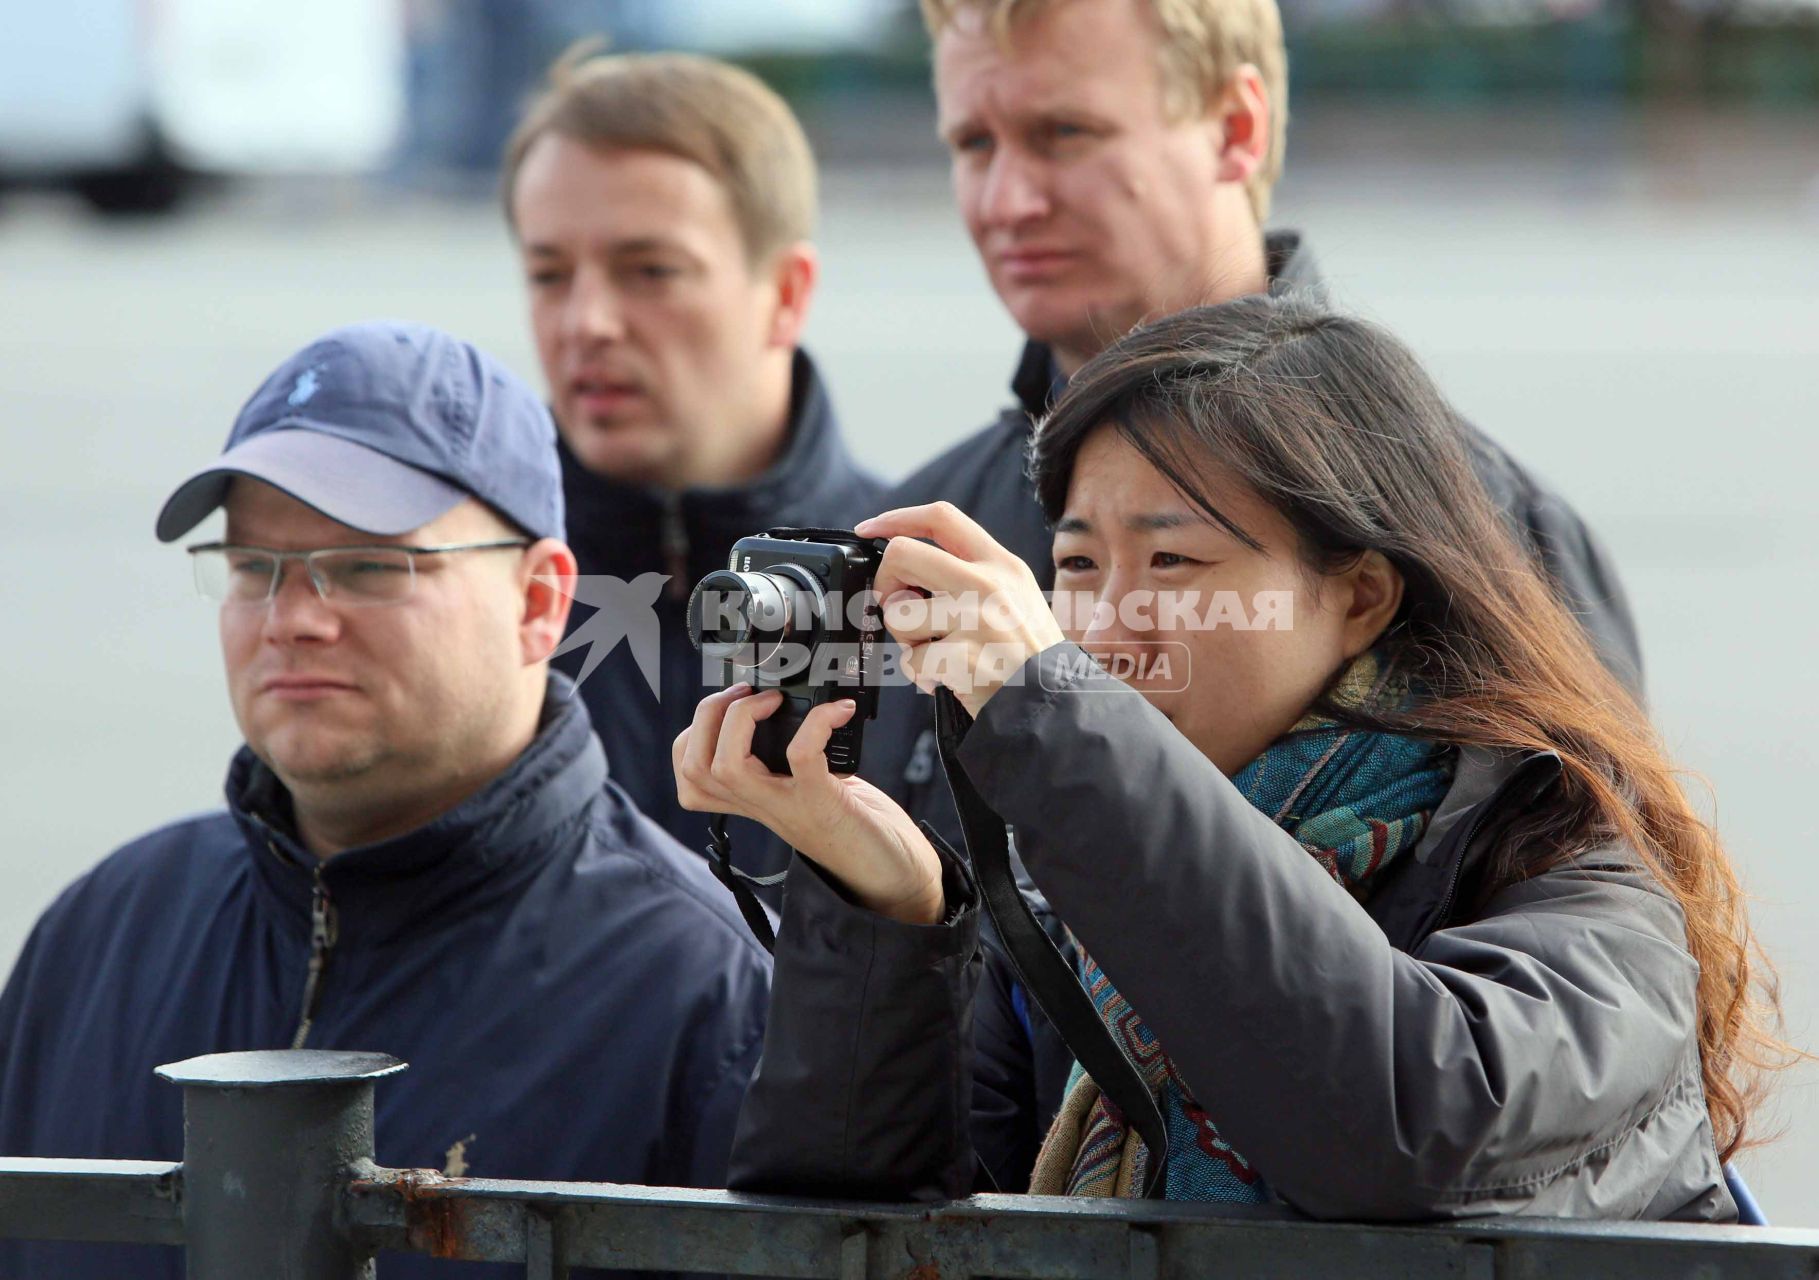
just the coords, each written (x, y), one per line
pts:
(383, 427)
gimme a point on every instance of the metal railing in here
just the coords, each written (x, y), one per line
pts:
(278, 1178)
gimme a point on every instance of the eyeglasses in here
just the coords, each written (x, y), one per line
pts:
(344, 575)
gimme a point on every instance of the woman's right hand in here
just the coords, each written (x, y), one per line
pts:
(848, 827)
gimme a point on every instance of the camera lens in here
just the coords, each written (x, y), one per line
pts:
(747, 618)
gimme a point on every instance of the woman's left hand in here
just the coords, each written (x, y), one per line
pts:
(854, 831)
(967, 612)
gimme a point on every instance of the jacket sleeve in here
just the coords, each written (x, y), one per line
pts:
(864, 1088)
(1576, 562)
(1363, 1082)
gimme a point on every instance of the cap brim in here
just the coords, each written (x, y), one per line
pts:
(347, 482)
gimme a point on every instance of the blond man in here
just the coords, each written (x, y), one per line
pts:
(1114, 161)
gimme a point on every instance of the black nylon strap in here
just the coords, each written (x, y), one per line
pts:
(720, 858)
(1045, 973)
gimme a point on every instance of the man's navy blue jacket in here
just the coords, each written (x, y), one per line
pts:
(628, 531)
(576, 996)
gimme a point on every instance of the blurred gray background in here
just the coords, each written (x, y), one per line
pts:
(1600, 229)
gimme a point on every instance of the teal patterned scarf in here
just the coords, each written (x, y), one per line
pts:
(1355, 801)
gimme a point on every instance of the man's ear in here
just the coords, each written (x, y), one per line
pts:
(794, 273)
(546, 580)
(1243, 116)
(1374, 595)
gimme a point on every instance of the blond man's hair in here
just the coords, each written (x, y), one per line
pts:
(698, 109)
(1204, 42)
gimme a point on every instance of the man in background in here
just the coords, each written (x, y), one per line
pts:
(1113, 161)
(663, 206)
(421, 853)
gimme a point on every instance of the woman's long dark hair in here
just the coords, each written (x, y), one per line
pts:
(1334, 423)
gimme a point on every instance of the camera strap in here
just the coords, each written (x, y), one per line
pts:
(720, 858)
(1043, 970)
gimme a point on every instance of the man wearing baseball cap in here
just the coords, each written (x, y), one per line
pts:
(421, 854)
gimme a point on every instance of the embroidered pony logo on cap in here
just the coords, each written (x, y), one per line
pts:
(307, 386)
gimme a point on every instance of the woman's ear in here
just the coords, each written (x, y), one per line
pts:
(546, 580)
(1374, 591)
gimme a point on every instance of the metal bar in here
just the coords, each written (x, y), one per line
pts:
(551, 1225)
(1146, 1255)
(855, 1247)
(119, 1201)
(1030, 1238)
(542, 1249)
(269, 1140)
(278, 1179)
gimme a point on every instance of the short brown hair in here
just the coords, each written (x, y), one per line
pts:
(698, 109)
(1204, 42)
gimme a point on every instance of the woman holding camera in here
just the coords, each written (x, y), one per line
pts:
(1394, 902)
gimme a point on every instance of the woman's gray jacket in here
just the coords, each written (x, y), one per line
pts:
(1425, 1056)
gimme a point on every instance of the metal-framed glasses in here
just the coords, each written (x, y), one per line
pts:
(344, 575)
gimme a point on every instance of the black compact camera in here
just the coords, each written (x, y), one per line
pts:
(794, 610)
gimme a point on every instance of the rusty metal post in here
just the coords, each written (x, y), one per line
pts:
(270, 1139)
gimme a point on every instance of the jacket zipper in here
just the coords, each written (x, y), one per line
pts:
(324, 930)
(675, 547)
(1452, 885)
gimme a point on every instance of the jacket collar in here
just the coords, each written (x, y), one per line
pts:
(1037, 382)
(627, 529)
(1485, 782)
(1489, 787)
(451, 866)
